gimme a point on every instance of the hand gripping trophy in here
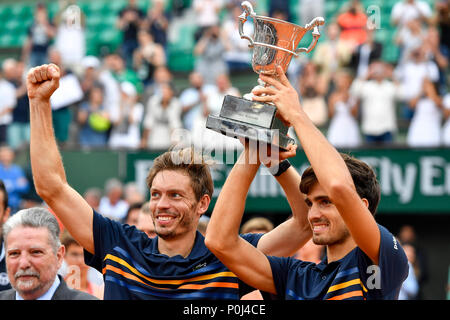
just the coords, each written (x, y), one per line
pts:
(275, 42)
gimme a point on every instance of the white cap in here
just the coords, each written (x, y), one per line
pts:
(128, 88)
(90, 62)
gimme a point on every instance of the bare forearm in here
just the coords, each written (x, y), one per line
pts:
(299, 230)
(292, 234)
(46, 163)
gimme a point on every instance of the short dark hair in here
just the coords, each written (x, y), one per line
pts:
(188, 161)
(5, 194)
(363, 176)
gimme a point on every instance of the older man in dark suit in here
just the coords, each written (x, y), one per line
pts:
(34, 254)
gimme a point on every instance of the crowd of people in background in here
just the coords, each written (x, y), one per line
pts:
(127, 99)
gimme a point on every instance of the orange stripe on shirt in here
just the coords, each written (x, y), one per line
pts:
(173, 282)
(127, 275)
(208, 285)
(357, 293)
(186, 286)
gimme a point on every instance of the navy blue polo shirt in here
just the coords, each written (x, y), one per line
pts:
(133, 268)
(352, 277)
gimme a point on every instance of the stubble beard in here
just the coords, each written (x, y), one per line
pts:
(330, 240)
(181, 227)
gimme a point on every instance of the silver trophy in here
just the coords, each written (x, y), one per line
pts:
(274, 44)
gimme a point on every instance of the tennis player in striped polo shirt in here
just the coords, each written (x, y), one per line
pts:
(174, 265)
(363, 259)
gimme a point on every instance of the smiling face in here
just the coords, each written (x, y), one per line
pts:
(175, 210)
(31, 262)
(326, 223)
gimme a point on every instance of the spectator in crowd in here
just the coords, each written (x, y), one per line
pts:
(89, 75)
(116, 64)
(332, 54)
(313, 87)
(209, 51)
(192, 97)
(4, 215)
(207, 15)
(34, 276)
(18, 132)
(13, 177)
(410, 286)
(97, 72)
(156, 22)
(132, 217)
(162, 76)
(180, 194)
(378, 96)
(126, 130)
(425, 127)
(446, 126)
(163, 116)
(112, 205)
(407, 10)
(366, 53)
(94, 120)
(211, 104)
(410, 37)
(257, 225)
(93, 196)
(145, 221)
(132, 194)
(407, 234)
(442, 21)
(440, 55)
(411, 75)
(64, 101)
(70, 38)
(353, 24)
(77, 274)
(147, 57)
(129, 22)
(7, 104)
(310, 252)
(39, 35)
(237, 54)
(343, 131)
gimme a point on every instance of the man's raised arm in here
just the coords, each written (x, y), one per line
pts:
(222, 235)
(46, 163)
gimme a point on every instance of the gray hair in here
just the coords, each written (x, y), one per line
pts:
(35, 218)
(111, 184)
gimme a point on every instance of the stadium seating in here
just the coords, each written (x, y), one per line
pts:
(101, 33)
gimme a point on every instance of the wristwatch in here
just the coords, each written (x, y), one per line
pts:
(280, 168)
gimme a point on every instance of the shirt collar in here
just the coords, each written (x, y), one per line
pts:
(198, 250)
(48, 295)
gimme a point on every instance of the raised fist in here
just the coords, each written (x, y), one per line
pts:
(42, 81)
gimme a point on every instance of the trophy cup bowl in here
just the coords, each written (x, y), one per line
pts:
(274, 43)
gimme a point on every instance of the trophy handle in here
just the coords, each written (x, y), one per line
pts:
(248, 11)
(314, 24)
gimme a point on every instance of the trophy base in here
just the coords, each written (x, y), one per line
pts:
(237, 129)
